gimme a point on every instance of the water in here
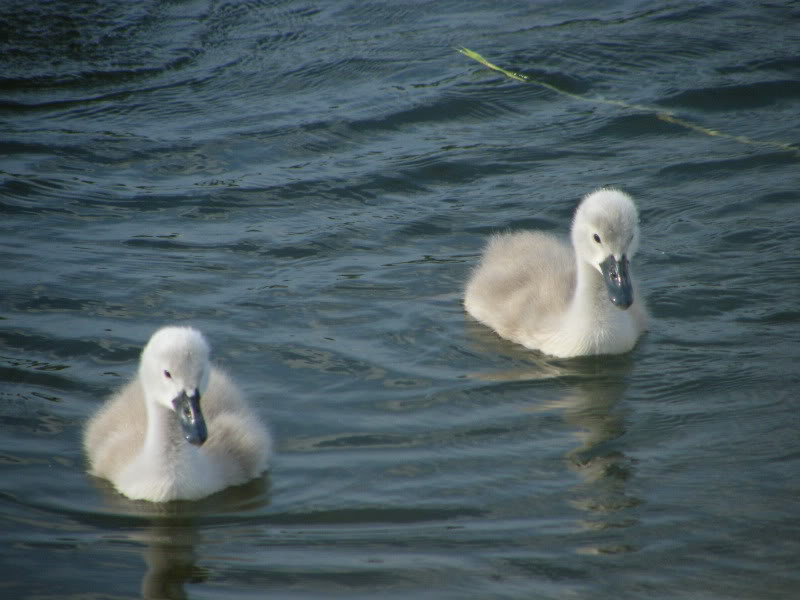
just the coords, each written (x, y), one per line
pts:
(310, 184)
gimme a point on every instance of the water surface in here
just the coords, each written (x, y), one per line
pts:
(310, 183)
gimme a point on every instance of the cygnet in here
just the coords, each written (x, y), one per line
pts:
(180, 430)
(564, 299)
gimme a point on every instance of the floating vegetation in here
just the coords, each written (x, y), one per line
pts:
(661, 114)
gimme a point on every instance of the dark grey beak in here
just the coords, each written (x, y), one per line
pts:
(618, 281)
(191, 418)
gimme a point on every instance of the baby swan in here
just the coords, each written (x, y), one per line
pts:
(534, 289)
(180, 430)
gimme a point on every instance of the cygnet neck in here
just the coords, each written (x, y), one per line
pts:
(590, 298)
(162, 438)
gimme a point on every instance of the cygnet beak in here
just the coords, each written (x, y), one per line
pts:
(191, 418)
(618, 281)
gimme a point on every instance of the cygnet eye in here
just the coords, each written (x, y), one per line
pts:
(596, 238)
(167, 374)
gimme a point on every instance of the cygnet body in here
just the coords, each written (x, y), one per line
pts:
(180, 430)
(565, 300)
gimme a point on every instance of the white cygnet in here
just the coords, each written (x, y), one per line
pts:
(180, 430)
(533, 288)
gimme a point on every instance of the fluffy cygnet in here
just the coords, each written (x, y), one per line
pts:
(566, 300)
(180, 430)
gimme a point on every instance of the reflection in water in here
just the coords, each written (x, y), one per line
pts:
(590, 390)
(171, 534)
(594, 408)
(170, 558)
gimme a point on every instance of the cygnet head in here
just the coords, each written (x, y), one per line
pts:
(174, 371)
(605, 234)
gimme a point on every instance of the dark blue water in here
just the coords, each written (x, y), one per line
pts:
(310, 183)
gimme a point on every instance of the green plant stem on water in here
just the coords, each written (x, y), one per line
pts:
(663, 115)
